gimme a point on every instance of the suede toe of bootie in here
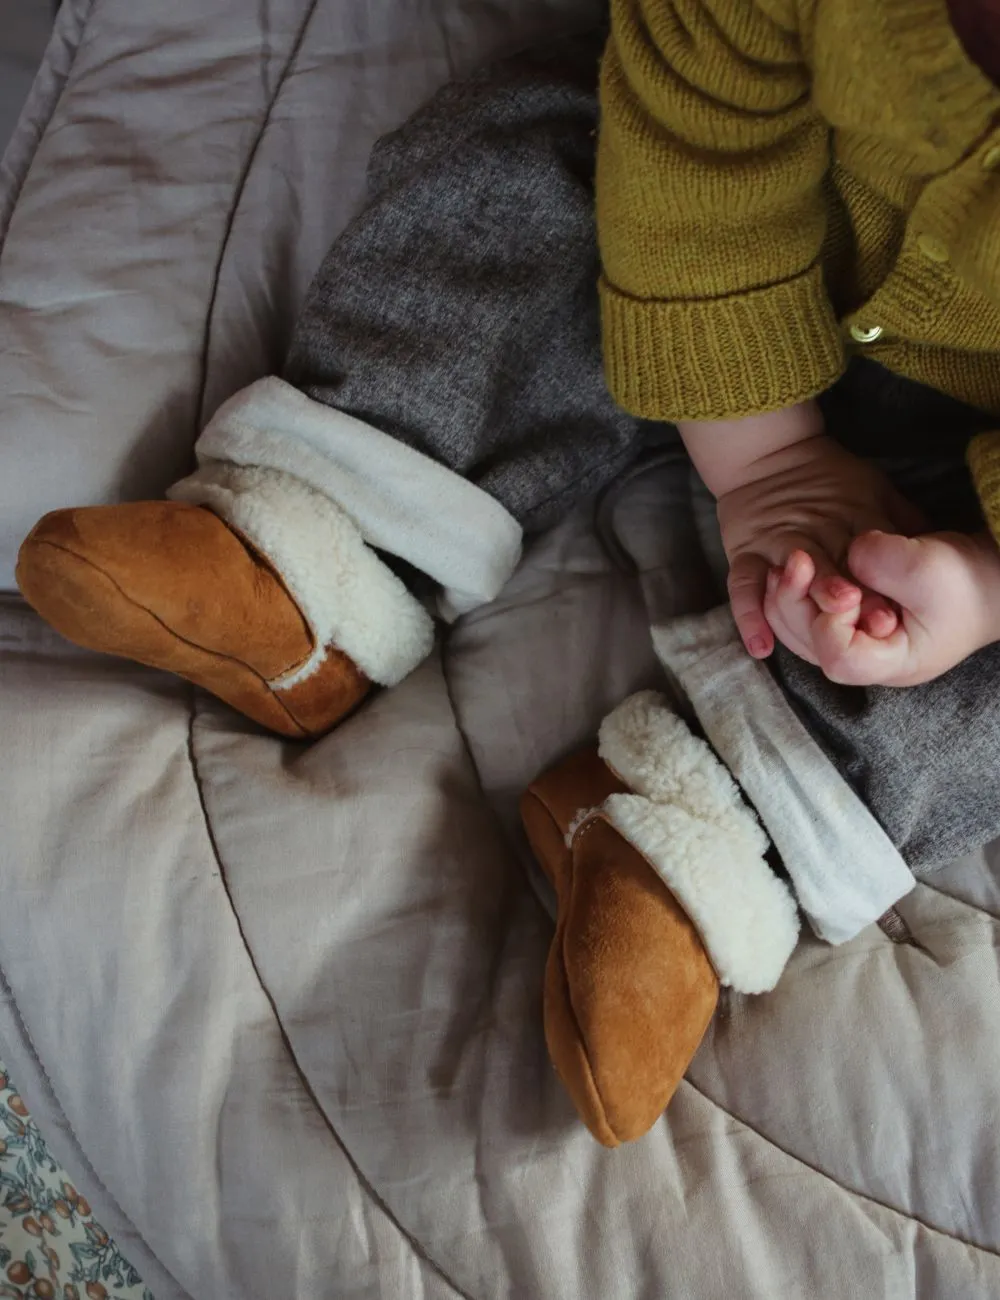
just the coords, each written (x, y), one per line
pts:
(173, 586)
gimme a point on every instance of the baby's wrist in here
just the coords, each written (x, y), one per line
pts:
(732, 454)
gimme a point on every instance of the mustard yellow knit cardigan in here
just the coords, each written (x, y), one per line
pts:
(781, 183)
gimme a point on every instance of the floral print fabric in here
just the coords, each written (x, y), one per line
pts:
(51, 1248)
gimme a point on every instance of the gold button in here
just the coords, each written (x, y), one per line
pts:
(862, 335)
(934, 249)
(991, 158)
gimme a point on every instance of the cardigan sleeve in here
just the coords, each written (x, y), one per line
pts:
(711, 212)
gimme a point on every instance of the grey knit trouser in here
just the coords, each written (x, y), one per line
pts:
(459, 312)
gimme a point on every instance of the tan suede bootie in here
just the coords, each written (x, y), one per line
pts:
(173, 586)
(663, 895)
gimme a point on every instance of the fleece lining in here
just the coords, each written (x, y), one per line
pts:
(349, 598)
(402, 502)
(687, 818)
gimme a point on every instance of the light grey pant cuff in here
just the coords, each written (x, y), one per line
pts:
(401, 502)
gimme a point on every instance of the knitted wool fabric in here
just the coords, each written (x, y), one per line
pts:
(781, 183)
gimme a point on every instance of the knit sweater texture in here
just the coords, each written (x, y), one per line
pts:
(781, 183)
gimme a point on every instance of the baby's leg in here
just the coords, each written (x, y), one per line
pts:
(443, 393)
(444, 386)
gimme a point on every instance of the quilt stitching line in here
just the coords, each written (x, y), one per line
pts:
(9, 201)
(93, 1178)
(363, 1182)
(241, 184)
(850, 1191)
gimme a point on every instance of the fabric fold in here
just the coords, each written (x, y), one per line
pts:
(844, 868)
(401, 502)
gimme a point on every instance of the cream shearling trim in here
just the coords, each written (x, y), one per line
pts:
(349, 598)
(653, 751)
(688, 820)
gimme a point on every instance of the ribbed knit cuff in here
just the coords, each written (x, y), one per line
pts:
(984, 462)
(723, 358)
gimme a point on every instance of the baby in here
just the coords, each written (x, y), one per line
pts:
(789, 194)
(778, 181)
(798, 207)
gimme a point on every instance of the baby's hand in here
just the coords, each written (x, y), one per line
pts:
(808, 500)
(946, 585)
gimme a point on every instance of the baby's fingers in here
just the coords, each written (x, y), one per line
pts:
(787, 606)
(837, 595)
(869, 611)
(851, 657)
(747, 585)
(790, 607)
(798, 576)
(845, 651)
(877, 618)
